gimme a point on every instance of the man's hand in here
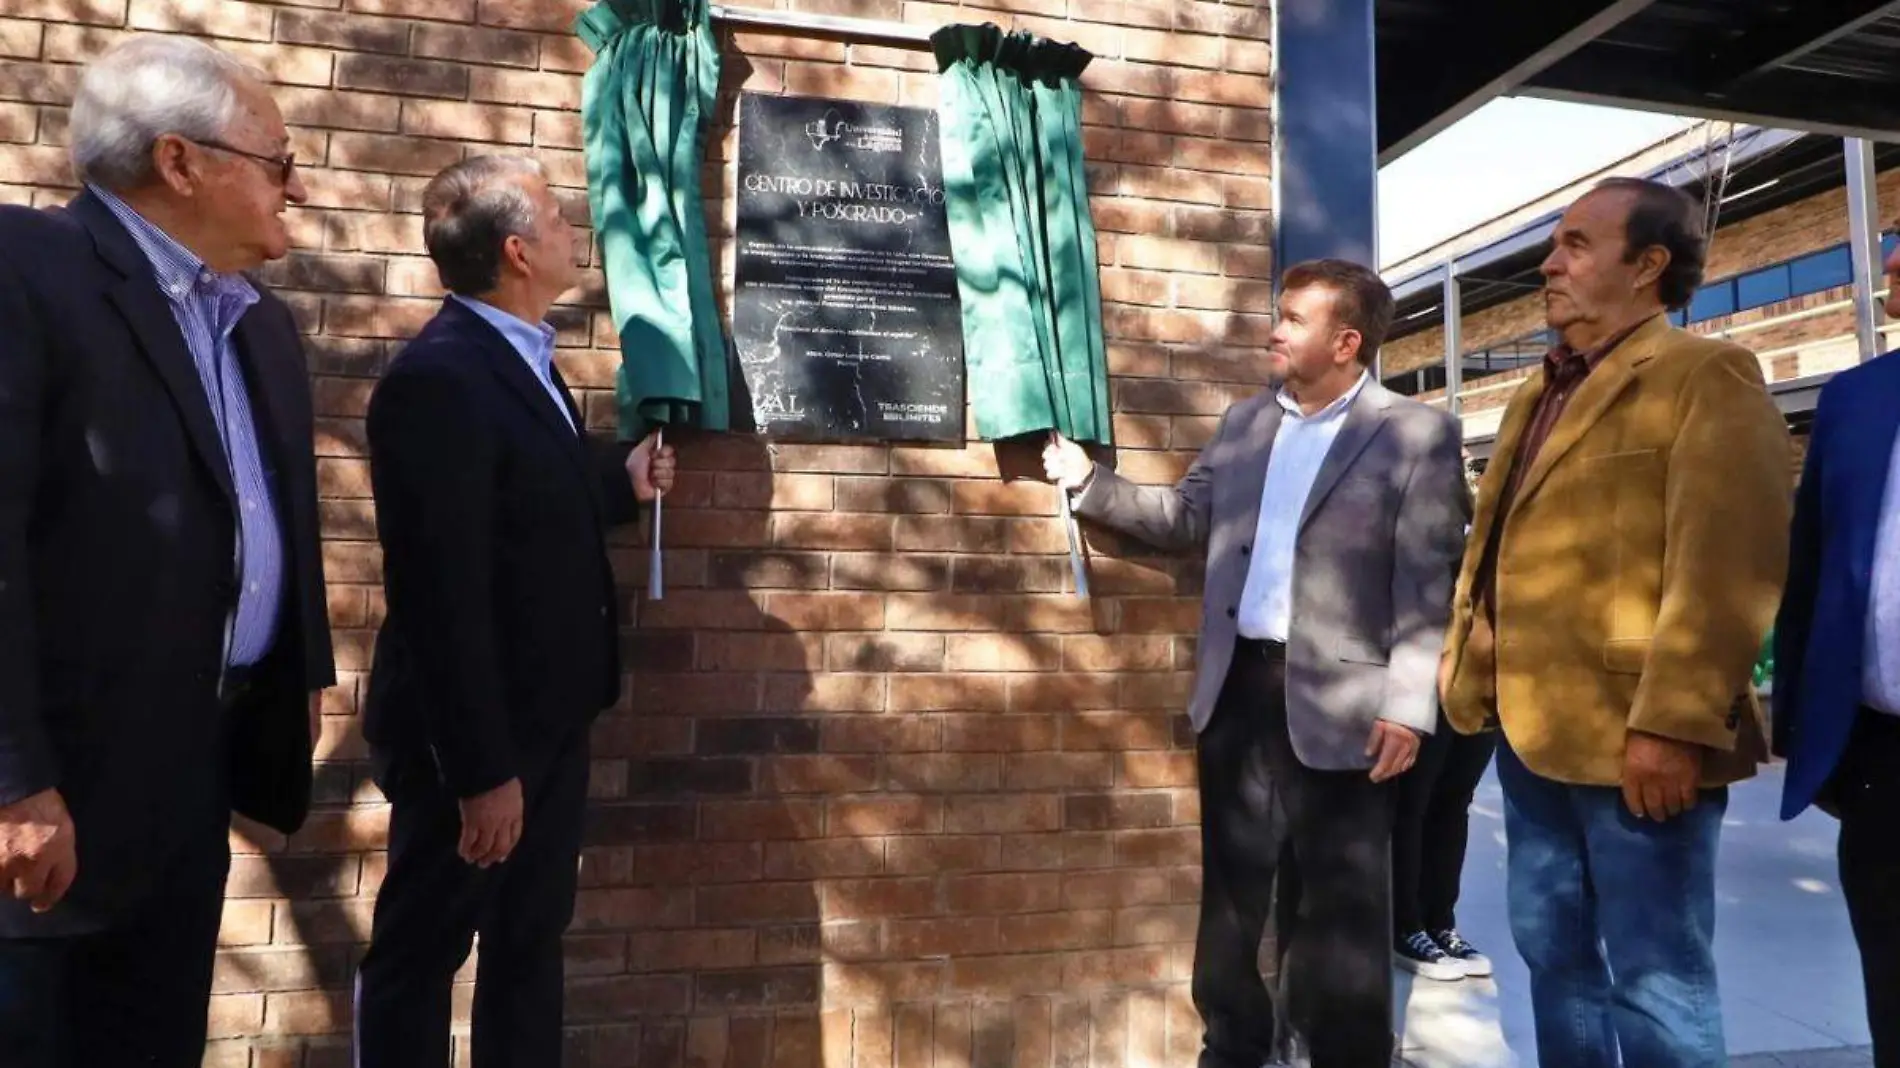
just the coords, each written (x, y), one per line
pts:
(37, 857)
(1065, 464)
(1660, 775)
(1395, 747)
(491, 824)
(650, 468)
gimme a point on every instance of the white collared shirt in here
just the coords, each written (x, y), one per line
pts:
(1299, 448)
(1880, 662)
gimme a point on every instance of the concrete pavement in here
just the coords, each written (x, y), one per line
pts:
(1790, 973)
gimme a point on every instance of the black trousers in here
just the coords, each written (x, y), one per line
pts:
(1256, 799)
(1428, 843)
(134, 994)
(432, 905)
(1866, 790)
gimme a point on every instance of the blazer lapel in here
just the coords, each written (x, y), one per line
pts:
(1875, 448)
(508, 365)
(1250, 469)
(155, 330)
(1591, 401)
(1363, 420)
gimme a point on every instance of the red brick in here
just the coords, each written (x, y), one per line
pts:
(445, 10)
(829, 858)
(937, 853)
(485, 123)
(818, 774)
(885, 814)
(407, 77)
(760, 820)
(940, 693)
(880, 898)
(1115, 889)
(560, 92)
(947, 937)
(1054, 771)
(1005, 976)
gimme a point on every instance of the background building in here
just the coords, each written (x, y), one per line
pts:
(1780, 277)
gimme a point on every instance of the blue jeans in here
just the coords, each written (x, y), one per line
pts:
(1615, 916)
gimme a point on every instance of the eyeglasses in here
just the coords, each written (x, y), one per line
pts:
(286, 164)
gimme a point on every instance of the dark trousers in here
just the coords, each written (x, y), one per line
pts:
(1866, 790)
(1428, 844)
(134, 994)
(432, 904)
(1256, 798)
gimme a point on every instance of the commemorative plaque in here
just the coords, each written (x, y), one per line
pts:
(845, 311)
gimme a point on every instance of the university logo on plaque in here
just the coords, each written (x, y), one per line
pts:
(845, 311)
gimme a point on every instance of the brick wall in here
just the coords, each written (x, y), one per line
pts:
(1808, 225)
(879, 792)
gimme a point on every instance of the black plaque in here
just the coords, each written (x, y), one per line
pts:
(845, 313)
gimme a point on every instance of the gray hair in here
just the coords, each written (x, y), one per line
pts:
(469, 211)
(143, 89)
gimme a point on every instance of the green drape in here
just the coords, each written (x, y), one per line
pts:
(645, 105)
(1017, 198)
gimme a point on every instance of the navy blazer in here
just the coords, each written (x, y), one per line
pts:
(117, 530)
(1821, 632)
(502, 633)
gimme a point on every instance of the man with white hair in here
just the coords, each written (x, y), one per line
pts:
(163, 632)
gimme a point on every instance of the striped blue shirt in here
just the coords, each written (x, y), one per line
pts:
(535, 344)
(207, 307)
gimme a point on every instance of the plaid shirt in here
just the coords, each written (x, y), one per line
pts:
(207, 307)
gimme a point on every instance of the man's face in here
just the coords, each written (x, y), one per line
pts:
(242, 199)
(1308, 343)
(1893, 284)
(549, 250)
(1585, 277)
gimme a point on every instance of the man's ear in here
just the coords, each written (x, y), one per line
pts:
(1650, 265)
(514, 253)
(1348, 344)
(172, 164)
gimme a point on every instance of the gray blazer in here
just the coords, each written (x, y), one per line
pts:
(1379, 546)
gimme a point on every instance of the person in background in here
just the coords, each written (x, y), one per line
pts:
(501, 643)
(1837, 658)
(1331, 513)
(1428, 855)
(164, 636)
(1623, 568)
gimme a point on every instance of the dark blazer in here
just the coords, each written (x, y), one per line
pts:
(502, 633)
(1820, 633)
(117, 531)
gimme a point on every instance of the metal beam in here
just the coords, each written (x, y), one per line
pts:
(1325, 149)
(1863, 225)
(1493, 47)
(1791, 100)
(1803, 28)
(1454, 340)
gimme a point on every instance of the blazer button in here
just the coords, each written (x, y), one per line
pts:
(1246, 550)
(1233, 613)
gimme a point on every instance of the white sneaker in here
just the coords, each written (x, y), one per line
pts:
(1475, 964)
(1419, 954)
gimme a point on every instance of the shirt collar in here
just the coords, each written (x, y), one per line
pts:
(1331, 411)
(1562, 353)
(535, 342)
(178, 270)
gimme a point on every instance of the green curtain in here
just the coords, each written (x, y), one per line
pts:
(645, 105)
(1010, 108)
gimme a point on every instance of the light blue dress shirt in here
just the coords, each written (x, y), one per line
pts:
(535, 343)
(1880, 670)
(207, 307)
(1299, 448)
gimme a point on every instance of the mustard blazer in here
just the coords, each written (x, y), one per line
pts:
(1640, 567)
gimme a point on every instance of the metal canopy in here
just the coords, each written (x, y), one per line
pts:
(1824, 66)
